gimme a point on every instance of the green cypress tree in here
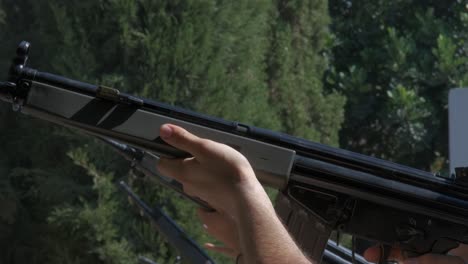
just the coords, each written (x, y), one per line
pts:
(296, 64)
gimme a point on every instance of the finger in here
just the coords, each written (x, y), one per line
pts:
(434, 259)
(181, 139)
(216, 224)
(173, 168)
(372, 254)
(211, 217)
(223, 250)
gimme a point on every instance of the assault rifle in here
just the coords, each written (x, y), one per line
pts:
(321, 188)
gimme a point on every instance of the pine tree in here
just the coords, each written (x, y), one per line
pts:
(223, 58)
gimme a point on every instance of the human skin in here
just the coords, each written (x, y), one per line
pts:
(223, 228)
(221, 176)
(456, 256)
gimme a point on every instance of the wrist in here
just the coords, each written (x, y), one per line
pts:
(250, 198)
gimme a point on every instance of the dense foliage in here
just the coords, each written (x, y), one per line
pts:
(381, 70)
(258, 62)
(395, 61)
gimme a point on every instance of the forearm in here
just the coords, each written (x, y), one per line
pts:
(222, 177)
(263, 238)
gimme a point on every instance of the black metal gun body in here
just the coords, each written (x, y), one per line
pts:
(322, 188)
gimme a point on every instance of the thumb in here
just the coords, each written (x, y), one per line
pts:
(181, 139)
(434, 259)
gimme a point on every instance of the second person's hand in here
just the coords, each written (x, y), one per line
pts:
(456, 256)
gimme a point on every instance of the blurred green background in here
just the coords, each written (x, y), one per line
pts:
(368, 76)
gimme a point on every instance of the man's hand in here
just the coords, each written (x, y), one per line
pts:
(456, 256)
(223, 228)
(216, 173)
(221, 176)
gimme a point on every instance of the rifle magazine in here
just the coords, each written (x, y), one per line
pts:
(309, 231)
